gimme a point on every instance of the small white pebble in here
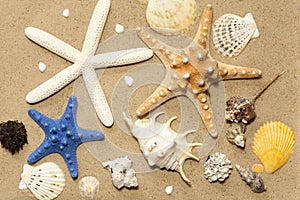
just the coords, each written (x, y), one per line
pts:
(119, 28)
(66, 13)
(42, 67)
(169, 189)
(128, 80)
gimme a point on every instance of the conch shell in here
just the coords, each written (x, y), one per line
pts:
(161, 145)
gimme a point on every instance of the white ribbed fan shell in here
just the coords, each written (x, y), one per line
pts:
(232, 33)
(273, 144)
(45, 181)
(171, 16)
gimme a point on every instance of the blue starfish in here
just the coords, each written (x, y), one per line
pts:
(63, 136)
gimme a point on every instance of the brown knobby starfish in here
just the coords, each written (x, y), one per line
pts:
(190, 72)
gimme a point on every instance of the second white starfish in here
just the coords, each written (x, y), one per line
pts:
(85, 62)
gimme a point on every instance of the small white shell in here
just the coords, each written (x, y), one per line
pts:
(42, 67)
(66, 13)
(171, 16)
(89, 187)
(232, 33)
(45, 181)
(169, 189)
(128, 80)
(119, 28)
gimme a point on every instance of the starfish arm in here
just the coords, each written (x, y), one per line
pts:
(69, 155)
(120, 58)
(89, 136)
(97, 96)
(52, 43)
(95, 28)
(168, 55)
(235, 72)
(204, 26)
(54, 84)
(160, 95)
(205, 111)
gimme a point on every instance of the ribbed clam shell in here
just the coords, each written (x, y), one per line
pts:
(232, 33)
(89, 187)
(45, 181)
(273, 144)
(171, 16)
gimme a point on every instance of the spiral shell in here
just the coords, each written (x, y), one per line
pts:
(45, 181)
(161, 145)
(273, 144)
(171, 16)
(232, 33)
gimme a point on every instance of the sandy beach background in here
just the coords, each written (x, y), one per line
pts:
(275, 50)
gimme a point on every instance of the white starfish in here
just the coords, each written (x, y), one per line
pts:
(85, 62)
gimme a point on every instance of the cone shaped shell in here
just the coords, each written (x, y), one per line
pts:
(273, 144)
(232, 33)
(171, 16)
(45, 181)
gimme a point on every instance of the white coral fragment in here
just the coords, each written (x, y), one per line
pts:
(121, 172)
(217, 167)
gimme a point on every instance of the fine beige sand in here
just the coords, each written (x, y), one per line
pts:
(276, 49)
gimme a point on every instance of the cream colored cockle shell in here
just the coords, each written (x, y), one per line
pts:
(161, 145)
(45, 181)
(231, 33)
(273, 144)
(89, 187)
(171, 16)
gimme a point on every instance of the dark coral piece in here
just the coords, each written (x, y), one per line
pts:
(13, 136)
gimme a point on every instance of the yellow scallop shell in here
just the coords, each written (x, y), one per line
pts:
(273, 144)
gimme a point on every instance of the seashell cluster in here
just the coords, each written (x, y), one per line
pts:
(161, 145)
(171, 16)
(273, 144)
(252, 179)
(217, 167)
(231, 33)
(89, 187)
(121, 173)
(241, 109)
(45, 181)
(235, 134)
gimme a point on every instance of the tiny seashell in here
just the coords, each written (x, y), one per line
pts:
(273, 144)
(119, 28)
(45, 181)
(128, 80)
(232, 33)
(169, 189)
(161, 145)
(235, 134)
(171, 16)
(89, 187)
(252, 179)
(217, 167)
(66, 13)
(42, 67)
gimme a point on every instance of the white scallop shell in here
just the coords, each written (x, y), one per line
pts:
(171, 16)
(89, 187)
(232, 33)
(45, 181)
(161, 145)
